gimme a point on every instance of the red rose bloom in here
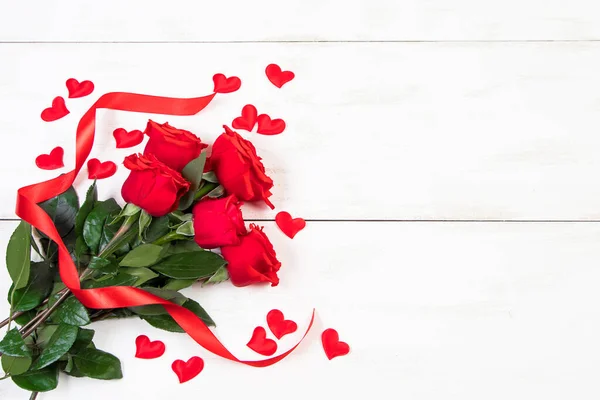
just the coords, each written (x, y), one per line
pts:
(152, 185)
(218, 222)
(239, 169)
(174, 147)
(253, 260)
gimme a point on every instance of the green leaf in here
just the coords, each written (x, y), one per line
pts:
(178, 284)
(62, 209)
(96, 230)
(192, 265)
(210, 177)
(104, 265)
(220, 276)
(71, 312)
(83, 340)
(25, 318)
(216, 192)
(37, 289)
(142, 256)
(156, 309)
(186, 229)
(143, 275)
(15, 365)
(157, 229)
(60, 342)
(14, 345)
(144, 222)
(44, 334)
(167, 323)
(91, 198)
(129, 210)
(18, 255)
(182, 246)
(180, 216)
(41, 380)
(98, 364)
(192, 172)
(120, 279)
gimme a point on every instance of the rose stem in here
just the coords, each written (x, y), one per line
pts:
(206, 189)
(14, 316)
(33, 395)
(43, 316)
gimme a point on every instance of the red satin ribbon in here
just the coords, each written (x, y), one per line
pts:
(121, 296)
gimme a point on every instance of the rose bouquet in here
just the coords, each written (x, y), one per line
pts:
(180, 205)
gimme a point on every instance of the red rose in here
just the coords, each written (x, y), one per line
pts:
(218, 222)
(253, 260)
(152, 185)
(174, 147)
(239, 169)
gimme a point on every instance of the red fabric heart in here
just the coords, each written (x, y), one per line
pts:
(57, 111)
(187, 370)
(146, 349)
(100, 170)
(54, 160)
(127, 139)
(77, 89)
(332, 345)
(288, 225)
(266, 126)
(247, 120)
(260, 344)
(277, 76)
(280, 326)
(226, 85)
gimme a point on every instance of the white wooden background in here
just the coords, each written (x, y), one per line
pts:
(443, 152)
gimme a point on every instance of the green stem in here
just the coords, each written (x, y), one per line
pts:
(169, 237)
(206, 189)
(5, 377)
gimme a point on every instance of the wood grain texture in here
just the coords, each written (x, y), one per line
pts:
(375, 131)
(439, 309)
(304, 20)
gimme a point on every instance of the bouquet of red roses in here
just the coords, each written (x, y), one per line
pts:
(180, 205)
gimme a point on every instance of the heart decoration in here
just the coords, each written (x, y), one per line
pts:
(267, 126)
(77, 89)
(57, 111)
(146, 349)
(260, 344)
(127, 139)
(54, 160)
(187, 370)
(277, 76)
(280, 326)
(247, 120)
(100, 170)
(226, 85)
(289, 226)
(332, 345)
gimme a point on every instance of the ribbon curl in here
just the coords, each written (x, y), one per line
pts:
(28, 209)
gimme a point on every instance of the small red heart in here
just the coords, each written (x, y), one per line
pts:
(226, 85)
(127, 139)
(57, 111)
(54, 160)
(77, 89)
(288, 225)
(266, 126)
(247, 120)
(100, 170)
(277, 76)
(332, 345)
(148, 350)
(260, 344)
(187, 370)
(279, 326)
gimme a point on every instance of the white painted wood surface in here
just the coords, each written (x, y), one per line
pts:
(431, 310)
(375, 130)
(306, 20)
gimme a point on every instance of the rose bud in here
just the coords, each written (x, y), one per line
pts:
(174, 147)
(253, 260)
(152, 185)
(218, 222)
(239, 169)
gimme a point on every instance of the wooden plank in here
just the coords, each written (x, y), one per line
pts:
(305, 20)
(429, 309)
(375, 131)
